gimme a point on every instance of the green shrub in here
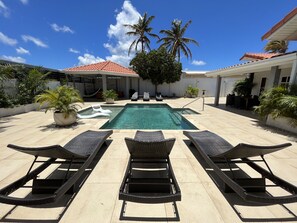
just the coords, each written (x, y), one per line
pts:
(279, 101)
(5, 100)
(30, 85)
(192, 91)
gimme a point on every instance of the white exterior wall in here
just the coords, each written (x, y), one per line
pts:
(10, 86)
(227, 85)
(179, 88)
(257, 81)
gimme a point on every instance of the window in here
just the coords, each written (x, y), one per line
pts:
(285, 81)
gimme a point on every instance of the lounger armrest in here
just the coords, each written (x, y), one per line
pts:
(54, 151)
(248, 150)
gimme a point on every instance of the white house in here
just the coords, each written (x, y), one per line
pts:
(267, 71)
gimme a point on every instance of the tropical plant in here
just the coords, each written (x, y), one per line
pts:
(63, 99)
(279, 101)
(276, 46)
(141, 30)
(174, 39)
(159, 66)
(110, 94)
(243, 87)
(6, 72)
(192, 91)
(30, 85)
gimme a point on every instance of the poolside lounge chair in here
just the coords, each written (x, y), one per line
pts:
(81, 149)
(94, 115)
(217, 151)
(149, 177)
(134, 96)
(98, 108)
(159, 96)
(146, 96)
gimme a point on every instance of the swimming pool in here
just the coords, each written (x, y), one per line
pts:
(150, 116)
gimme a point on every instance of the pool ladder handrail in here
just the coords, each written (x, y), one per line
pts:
(196, 99)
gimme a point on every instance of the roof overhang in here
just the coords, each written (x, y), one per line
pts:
(194, 73)
(98, 73)
(286, 29)
(254, 66)
(29, 66)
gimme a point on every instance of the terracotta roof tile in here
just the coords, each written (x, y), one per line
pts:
(258, 56)
(107, 66)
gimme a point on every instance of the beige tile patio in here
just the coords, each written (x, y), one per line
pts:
(97, 200)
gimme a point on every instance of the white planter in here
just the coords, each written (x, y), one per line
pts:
(60, 119)
(19, 109)
(109, 101)
(281, 123)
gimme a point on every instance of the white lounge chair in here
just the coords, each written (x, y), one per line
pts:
(98, 108)
(94, 115)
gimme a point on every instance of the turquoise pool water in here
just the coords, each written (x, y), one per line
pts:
(150, 116)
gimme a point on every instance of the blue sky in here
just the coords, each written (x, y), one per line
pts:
(60, 34)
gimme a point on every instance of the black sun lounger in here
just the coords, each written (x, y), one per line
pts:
(81, 149)
(149, 177)
(216, 151)
(159, 97)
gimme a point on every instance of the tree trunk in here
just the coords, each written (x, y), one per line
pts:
(156, 89)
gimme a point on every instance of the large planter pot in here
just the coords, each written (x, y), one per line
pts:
(60, 119)
(281, 123)
(109, 101)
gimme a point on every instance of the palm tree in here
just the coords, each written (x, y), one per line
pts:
(140, 30)
(276, 46)
(175, 42)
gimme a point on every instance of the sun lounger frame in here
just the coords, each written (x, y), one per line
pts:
(70, 158)
(231, 156)
(150, 148)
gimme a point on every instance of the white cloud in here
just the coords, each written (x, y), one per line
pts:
(25, 2)
(73, 50)
(198, 62)
(3, 9)
(6, 40)
(34, 40)
(63, 29)
(21, 50)
(14, 59)
(119, 43)
(89, 59)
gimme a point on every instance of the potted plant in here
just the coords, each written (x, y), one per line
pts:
(243, 89)
(109, 96)
(62, 101)
(279, 102)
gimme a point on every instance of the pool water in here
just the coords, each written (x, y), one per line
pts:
(150, 116)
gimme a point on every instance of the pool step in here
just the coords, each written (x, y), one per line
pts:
(175, 118)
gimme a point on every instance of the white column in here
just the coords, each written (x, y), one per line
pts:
(293, 73)
(275, 75)
(104, 83)
(218, 90)
(127, 87)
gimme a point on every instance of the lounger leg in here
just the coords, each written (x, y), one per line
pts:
(28, 172)
(267, 165)
(66, 175)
